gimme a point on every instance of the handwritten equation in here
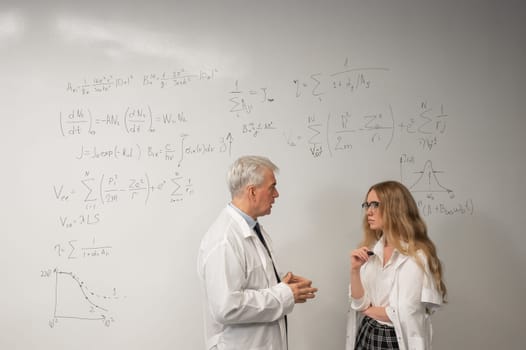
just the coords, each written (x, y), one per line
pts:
(426, 127)
(92, 193)
(342, 133)
(74, 249)
(348, 80)
(132, 120)
(242, 101)
(112, 188)
(176, 152)
(108, 83)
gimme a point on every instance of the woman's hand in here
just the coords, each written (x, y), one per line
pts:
(359, 257)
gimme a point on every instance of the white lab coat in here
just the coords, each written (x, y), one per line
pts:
(244, 305)
(412, 299)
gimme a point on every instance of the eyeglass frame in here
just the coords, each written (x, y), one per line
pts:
(372, 204)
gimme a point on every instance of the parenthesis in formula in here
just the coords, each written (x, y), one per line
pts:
(327, 134)
(126, 120)
(100, 189)
(90, 131)
(392, 126)
(148, 188)
(61, 125)
(151, 118)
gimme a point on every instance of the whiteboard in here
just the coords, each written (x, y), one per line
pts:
(119, 122)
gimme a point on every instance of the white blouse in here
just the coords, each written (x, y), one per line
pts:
(405, 289)
(378, 285)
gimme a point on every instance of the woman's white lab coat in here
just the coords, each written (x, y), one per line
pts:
(244, 305)
(413, 298)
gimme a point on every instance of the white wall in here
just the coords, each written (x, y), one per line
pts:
(114, 168)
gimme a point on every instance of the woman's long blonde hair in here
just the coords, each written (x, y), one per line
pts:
(402, 223)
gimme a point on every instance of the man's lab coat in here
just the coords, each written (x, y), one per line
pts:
(244, 305)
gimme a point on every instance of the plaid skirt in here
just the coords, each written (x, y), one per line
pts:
(373, 335)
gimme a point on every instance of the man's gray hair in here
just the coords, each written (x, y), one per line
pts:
(247, 170)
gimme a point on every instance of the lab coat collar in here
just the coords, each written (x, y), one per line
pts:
(240, 220)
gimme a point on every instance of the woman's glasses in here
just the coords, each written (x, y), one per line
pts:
(372, 204)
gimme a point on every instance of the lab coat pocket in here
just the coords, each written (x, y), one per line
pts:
(257, 276)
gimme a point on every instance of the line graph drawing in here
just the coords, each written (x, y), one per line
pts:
(75, 301)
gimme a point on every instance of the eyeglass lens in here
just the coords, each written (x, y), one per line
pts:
(372, 204)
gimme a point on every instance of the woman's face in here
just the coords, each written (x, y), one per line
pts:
(374, 217)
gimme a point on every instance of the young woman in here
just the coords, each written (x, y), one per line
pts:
(396, 276)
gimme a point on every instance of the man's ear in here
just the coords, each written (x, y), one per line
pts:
(251, 190)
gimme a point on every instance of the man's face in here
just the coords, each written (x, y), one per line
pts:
(265, 194)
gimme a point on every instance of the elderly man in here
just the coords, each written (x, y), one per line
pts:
(246, 300)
